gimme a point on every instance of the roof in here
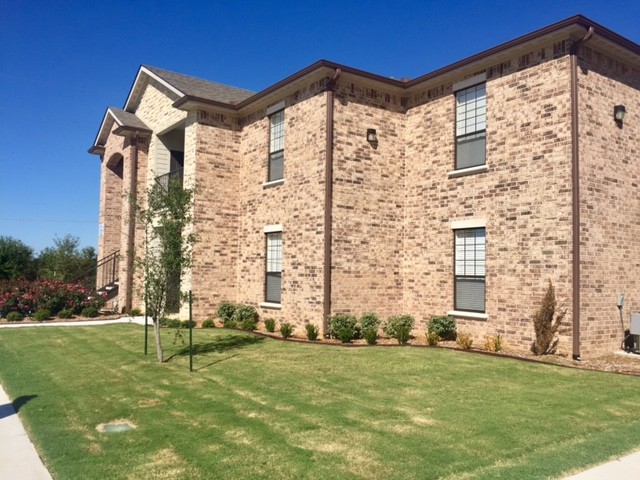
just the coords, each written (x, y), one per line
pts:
(184, 86)
(125, 121)
(189, 92)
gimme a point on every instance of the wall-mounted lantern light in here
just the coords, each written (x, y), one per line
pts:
(618, 113)
(371, 135)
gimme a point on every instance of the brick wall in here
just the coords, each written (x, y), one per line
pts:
(297, 205)
(368, 202)
(524, 198)
(609, 199)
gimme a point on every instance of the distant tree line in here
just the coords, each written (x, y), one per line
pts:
(64, 261)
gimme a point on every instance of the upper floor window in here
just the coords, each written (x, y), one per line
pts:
(471, 120)
(470, 257)
(276, 146)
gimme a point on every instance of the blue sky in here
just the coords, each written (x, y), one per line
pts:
(63, 62)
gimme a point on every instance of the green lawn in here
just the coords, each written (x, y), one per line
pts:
(260, 408)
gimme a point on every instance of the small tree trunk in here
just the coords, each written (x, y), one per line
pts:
(156, 331)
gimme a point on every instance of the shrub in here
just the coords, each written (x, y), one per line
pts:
(432, 338)
(65, 314)
(170, 322)
(404, 322)
(493, 343)
(208, 323)
(343, 327)
(135, 312)
(188, 324)
(286, 330)
(245, 316)
(270, 325)
(42, 315)
(24, 297)
(464, 340)
(14, 317)
(312, 331)
(403, 332)
(370, 335)
(225, 312)
(369, 320)
(444, 327)
(546, 323)
(90, 312)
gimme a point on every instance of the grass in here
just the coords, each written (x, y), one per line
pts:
(260, 408)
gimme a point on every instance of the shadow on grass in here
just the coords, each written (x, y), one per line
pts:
(220, 344)
(12, 408)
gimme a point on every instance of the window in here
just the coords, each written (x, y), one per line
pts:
(470, 249)
(273, 276)
(471, 119)
(276, 146)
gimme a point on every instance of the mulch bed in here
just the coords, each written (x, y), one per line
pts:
(628, 364)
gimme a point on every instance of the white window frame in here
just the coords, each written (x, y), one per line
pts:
(470, 265)
(273, 264)
(471, 123)
(276, 146)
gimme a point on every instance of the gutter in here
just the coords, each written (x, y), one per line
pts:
(575, 192)
(328, 203)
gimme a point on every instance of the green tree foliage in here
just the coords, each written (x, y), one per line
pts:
(16, 260)
(67, 262)
(167, 219)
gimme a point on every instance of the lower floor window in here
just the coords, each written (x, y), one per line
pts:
(273, 276)
(470, 250)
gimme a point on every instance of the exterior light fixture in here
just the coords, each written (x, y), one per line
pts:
(618, 113)
(371, 135)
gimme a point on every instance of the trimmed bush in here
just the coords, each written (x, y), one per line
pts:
(135, 312)
(246, 317)
(443, 326)
(90, 312)
(464, 340)
(403, 332)
(14, 317)
(225, 312)
(188, 324)
(343, 327)
(369, 320)
(65, 314)
(398, 326)
(370, 335)
(208, 323)
(42, 315)
(170, 322)
(286, 330)
(432, 338)
(546, 323)
(270, 325)
(312, 332)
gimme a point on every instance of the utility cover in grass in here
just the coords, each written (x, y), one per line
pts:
(117, 426)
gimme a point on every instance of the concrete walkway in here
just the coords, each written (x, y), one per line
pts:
(19, 459)
(18, 456)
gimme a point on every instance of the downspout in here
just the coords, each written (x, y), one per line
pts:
(575, 191)
(328, 203)
(132, 227)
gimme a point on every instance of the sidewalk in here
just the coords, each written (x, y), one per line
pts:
(18, 456)
(84, 323)
(625, 467)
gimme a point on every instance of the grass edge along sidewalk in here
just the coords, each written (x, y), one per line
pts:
(256, 408)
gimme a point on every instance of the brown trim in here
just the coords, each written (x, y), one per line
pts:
(577, 20)
(575, 192)
(328, 203)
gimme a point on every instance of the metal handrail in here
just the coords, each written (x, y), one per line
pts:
(169, 178)
(107, 268)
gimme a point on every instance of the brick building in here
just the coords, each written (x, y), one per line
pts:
(462, 191)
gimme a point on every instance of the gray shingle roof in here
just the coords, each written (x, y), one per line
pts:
(126, 119)
(196, 87)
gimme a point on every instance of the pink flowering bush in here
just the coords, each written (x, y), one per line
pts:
(26, 297)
